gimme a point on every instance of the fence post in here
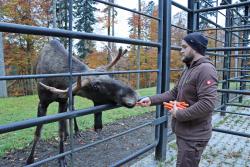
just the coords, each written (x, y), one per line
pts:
(226, 62)
(244, 60)
(164, 75)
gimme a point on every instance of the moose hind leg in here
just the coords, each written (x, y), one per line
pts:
(98, 121)
(42, 110)
(62, 132)
(76, 128)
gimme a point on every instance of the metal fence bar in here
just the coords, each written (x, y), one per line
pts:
(238, 105)
(217, 49)
(134, 155)
(240, 29)
(127, 9)
(231, 132)
(52, 118)
(13, 77)
(217, 25)
(229, 112)
(26, 29)
(243, 92)
(180, 27)
(181, 6)
(70, 98)
(240, 55)
(224, 28)
(239, 80)
(208, 3)
(228, 48)
(232, 70)
(164, 76)
(215, 39)
(222, 7)
(138, 153)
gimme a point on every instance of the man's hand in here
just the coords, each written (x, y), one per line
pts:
(145, 102)
(173, 112)
(173, 106)
(178, 105)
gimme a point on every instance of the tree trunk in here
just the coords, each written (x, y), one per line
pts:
(3, 89)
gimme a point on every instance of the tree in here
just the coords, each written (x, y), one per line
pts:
(108, 19)
(85, 19)
(177, 34)
(142, 28)
(3, 89)
(61, 17)
(20, 50)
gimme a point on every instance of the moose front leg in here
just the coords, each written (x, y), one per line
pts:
(42, 110)
(98, 121)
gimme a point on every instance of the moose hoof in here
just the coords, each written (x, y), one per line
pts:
(77, 134)
(30, 160)
(98, 130)
(62, 163)
(65, 138)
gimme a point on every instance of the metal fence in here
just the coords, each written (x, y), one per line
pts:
(194, 16)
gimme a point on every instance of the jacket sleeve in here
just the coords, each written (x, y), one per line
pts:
(166, 96)
(206, 87)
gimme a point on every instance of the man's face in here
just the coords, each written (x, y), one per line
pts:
(187, 52)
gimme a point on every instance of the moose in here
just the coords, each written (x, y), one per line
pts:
(101, 89)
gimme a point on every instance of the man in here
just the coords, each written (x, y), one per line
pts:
(197, 87)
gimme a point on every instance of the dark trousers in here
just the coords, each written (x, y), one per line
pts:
(189, 152)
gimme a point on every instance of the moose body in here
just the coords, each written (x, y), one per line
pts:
(101, 89)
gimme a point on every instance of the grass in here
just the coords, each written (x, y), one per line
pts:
(15, 109)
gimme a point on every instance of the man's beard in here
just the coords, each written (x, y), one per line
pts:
(188, 59)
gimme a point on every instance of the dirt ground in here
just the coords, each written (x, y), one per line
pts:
(101, 155)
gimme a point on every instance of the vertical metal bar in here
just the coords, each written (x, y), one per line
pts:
(165, 39)
(138, 52)
(216, 36)
(238, 21)
(159, 62)
(193, 18)
(190, 20)
(226, 62)
(245, 43)
(196, 23)
(70, 87)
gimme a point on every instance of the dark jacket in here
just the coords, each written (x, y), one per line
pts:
(197, 87)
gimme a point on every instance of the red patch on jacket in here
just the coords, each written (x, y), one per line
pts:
(209, 82)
